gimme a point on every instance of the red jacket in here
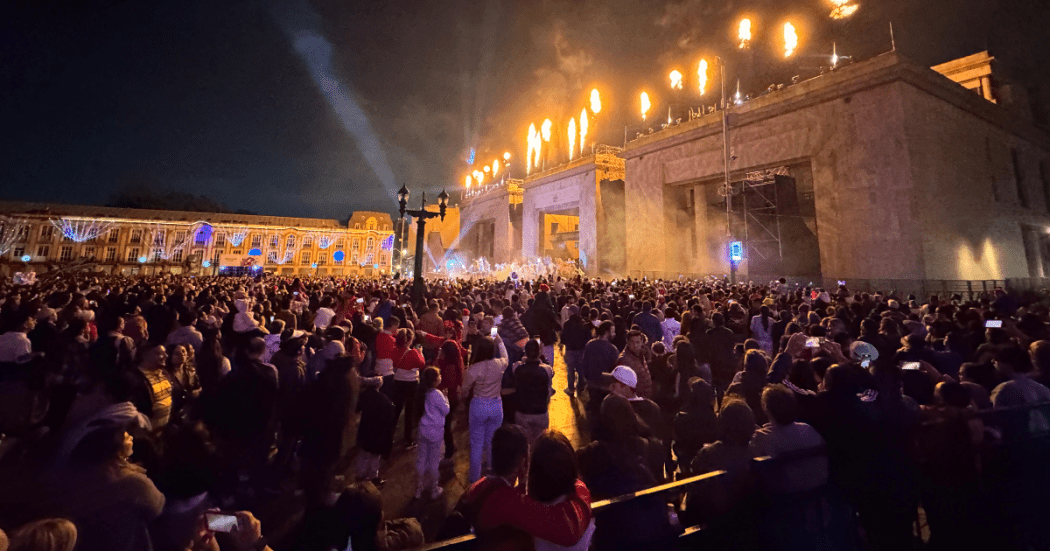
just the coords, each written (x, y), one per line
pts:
(386, 346)
(562, 524)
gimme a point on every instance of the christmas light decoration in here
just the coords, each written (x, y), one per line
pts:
(13, 231)
(81, 230)
(324, 240)
(282, 250)
(167, 248)
(235, 235)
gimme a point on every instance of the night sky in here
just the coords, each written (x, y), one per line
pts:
(318, 108)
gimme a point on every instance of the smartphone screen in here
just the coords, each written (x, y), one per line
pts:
(912, 366)
(993, 323)
(813, 342)
(221, 522)
(494, 332)
(360, 300)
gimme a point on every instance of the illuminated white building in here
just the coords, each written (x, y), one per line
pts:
(41, 236)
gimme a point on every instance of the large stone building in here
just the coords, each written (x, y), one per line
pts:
(41, 236)
(883, 169)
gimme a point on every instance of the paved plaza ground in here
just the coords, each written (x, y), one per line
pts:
(566, 415)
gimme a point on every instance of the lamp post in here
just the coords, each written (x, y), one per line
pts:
(421, 223)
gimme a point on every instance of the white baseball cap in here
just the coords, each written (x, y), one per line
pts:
(625, 375)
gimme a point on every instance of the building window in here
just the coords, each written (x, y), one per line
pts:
(1022, 196)
(18, 252)
(66, 238)
(322, 258)
(201, 237)
(290, 242)
(256, 241)
(305, 259)
(371, 242)
(356, 244)
(158, 237)
(308, 241)
(371, 224)
(353, 256)
(215, 258)
(88, 252)
(114, 236)
(156, 255)
(43, 251)
(238, 253)
(23, 234)
(220, 239)
(111, 254)
(180, 236)
(133, 253)
(177, 256)
(339, 243)
(65, 252)
(47, 232)
(136, 236)
(275, 240)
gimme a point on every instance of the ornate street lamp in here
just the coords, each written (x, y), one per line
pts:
(421, 223)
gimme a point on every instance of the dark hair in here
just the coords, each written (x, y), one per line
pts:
(619, 422)
(603, 328)
(100, 446)
(634, 333)
(509, 447)
(427, 382)
(953, 394)
(356, 516)
(532, 349)
(764, 312)
(552, 469)
(736, 424)
(404, 338)
(484, 350)
(755, 362)
(779, 403)
(1016, 358)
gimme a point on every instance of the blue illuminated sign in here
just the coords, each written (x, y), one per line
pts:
(254, 252)
(206, 263)
(736, 252)
(26, 258)
(338, 256)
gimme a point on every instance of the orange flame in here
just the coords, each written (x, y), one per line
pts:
(546, 129)
(843, 9)
(744, 34)
(583, 129)
(701, 73)
(596, 102)
(572, 138)
(486, 169)
(532, 148)
(676, 80)
(790, 39)
(506, 155)
(469, 180)
(495, 167)
(646, 104)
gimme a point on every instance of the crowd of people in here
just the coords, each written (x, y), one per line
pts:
(170, 412)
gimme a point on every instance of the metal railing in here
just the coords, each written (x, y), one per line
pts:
(466, 542)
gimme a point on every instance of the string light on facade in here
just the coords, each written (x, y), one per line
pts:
(80, 230)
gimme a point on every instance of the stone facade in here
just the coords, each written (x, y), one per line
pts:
(137, 241)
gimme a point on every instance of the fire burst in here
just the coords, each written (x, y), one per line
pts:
(596, 102)
(744, 34)
(495, 166)
(583, 129)
(81, 230)
(572, 138)
(646, 104)
(468, 181)
(676, 80)
(701, 73)
(546, 129)
(843, 9)
(790, 39)
(533, 149)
